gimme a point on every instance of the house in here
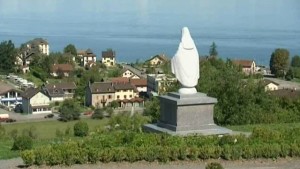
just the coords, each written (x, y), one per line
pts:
(158, 60)
(87, 58)
(270, 85)
(99, 94)
(248, 66)
(130, 74)
(38, 44)
(60, 91)
(63, 70)
(156, 83)
(34, 101)
(140, 84)
(9, 96)
(109, 58)
(28, 49)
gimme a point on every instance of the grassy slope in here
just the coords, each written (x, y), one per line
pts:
(249, 128)
(46, 133)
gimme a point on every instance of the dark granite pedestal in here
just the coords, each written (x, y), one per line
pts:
(186, 115)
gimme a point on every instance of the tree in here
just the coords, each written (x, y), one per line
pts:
(279, 62)
(152, 109)
(98, 114)
(8, 55)
(213, 50)
(70, 48)
(69, 110)
(289, 75)
(295, 61)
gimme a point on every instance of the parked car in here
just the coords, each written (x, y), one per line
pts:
(10, 120)
(49, 116)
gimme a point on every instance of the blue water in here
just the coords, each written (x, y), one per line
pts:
(138, 29)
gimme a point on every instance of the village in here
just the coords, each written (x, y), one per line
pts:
(127, 86)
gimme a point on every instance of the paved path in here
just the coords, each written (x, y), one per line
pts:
(287, 163)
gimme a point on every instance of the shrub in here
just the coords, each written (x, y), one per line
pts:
(81, 129)
(31, 132)
(13, 133)
(28, 157)
(98, 114)
(22, 143)
(231, 152)
(214, 165)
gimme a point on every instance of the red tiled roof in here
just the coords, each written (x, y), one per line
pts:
(139, 82)
(120, 80)
(243, 63)
(62, 67)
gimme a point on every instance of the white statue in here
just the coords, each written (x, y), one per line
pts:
(185, 64)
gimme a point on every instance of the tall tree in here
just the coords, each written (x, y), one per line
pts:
(279, 62)
(70, 48)
(213, 50)
(295, 61)
(7, 56)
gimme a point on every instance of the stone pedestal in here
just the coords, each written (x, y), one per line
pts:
(182, 114)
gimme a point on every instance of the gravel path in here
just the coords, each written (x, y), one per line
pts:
(286, 163)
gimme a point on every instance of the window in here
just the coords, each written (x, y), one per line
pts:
(125, 96)
(130, 96)
(109, 96)
(118, 96)
(125, 90)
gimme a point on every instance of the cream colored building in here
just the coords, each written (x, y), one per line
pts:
(248, 66)
(35, 102)
(270, 85)
(158, 59)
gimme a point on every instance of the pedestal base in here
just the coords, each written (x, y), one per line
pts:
(186, 114)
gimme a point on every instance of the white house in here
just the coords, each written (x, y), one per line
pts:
(270, 85)
(248, 66)
(35, 102)
(58, 92)
(130, 74)
(158, 59)
(87, 58)
(9, 96)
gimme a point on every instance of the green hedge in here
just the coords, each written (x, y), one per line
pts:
(132, 146)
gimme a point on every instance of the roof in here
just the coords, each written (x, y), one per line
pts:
(124, 86)
(4, 88)
(108, 54)
(101, 87)
(120, 80)
(37, 41)
(86, 53)
(267, 81)
(29, 93)
(243, 63)
(62, 67)
(63, 85)
(139, 82)
(162, 57)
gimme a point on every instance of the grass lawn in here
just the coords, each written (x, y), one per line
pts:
(249, 128)
(47, 129)
(46, 133)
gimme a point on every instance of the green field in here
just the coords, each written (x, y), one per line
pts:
(46, 132)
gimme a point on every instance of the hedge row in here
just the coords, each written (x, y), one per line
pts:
(73, 152)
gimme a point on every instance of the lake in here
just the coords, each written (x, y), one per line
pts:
(139, 29)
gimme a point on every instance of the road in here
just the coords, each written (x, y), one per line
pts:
(286, 163)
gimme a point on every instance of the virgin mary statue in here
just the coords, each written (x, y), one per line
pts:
(185, 64)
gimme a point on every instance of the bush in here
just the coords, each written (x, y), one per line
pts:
(22, 143)
(98, 114)
(81, 129)
(28, 157)
(214, 165)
